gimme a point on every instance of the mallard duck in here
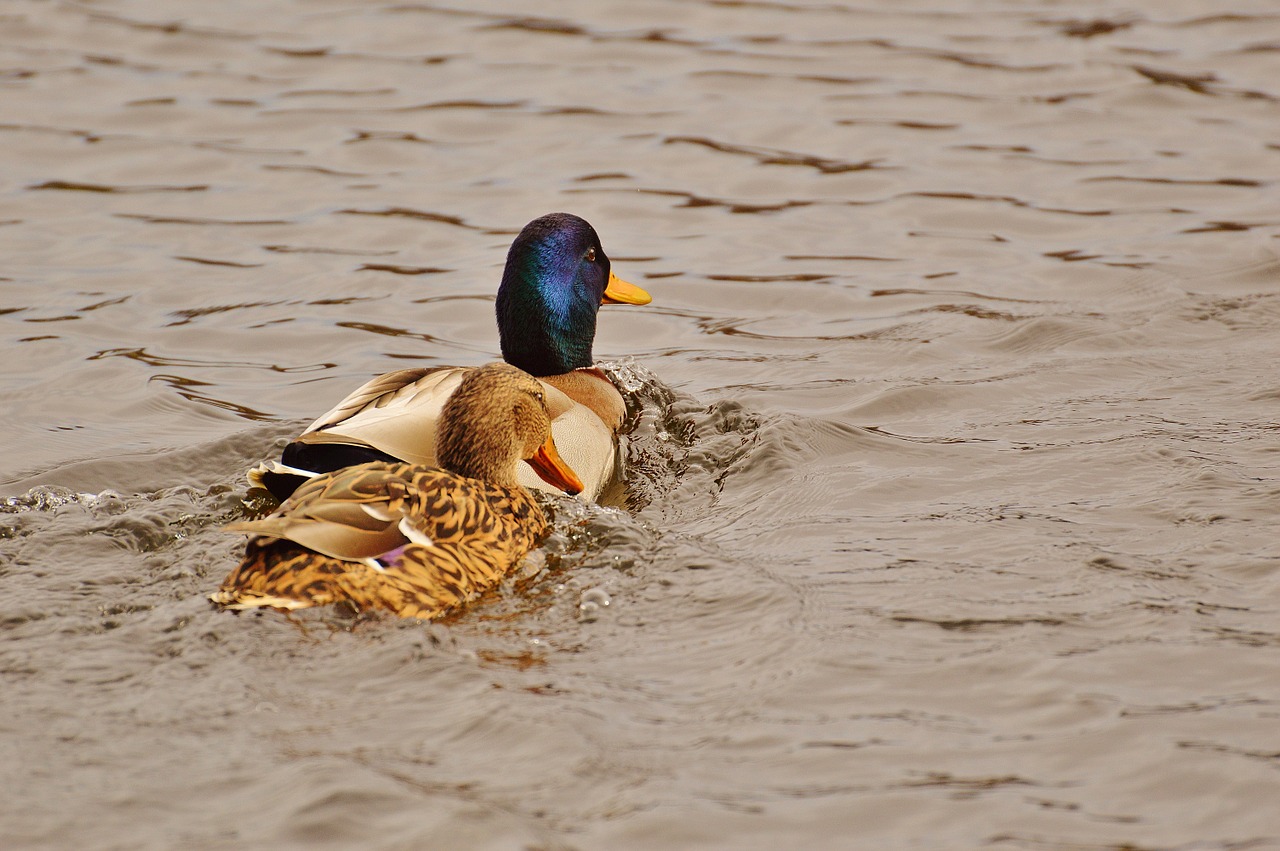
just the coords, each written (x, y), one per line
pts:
(557, 276)
(412, 540)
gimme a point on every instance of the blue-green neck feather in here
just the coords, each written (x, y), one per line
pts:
(550, 295)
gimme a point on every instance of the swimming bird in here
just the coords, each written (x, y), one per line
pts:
(415, 541)
(556, 278)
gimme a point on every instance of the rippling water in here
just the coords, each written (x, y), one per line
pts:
(952, 514)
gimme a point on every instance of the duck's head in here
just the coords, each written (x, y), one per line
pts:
(556, 278)
(495, 419)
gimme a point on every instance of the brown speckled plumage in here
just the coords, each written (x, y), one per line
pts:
(411, 540)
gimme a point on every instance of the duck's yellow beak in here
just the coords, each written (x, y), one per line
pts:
(619, 291)
(550, 467)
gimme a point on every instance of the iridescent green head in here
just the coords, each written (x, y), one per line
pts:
(556, 278)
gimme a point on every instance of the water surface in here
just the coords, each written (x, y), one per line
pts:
(952, 514)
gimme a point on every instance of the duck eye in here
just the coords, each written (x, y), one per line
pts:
(590, 255)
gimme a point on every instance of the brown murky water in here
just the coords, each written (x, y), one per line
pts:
(953, 519)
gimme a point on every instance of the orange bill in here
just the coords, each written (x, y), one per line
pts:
(546, 462)
(618, 291)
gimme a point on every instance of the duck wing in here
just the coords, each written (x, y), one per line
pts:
(412, 540)
(392, 418)
(358, 512)
(397, 413)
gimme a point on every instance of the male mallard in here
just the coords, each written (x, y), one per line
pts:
(415, 541)
(557, 276)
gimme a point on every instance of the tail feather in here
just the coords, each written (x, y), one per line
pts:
(239, 600)
(277, 478)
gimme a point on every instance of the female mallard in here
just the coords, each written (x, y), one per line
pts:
(557, 276)
(415, 541)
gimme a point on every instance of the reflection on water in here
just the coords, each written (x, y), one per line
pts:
(950, 515)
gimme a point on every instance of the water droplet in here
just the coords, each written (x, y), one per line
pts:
(629, 376)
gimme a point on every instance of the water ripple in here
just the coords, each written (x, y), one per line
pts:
(765, 156)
